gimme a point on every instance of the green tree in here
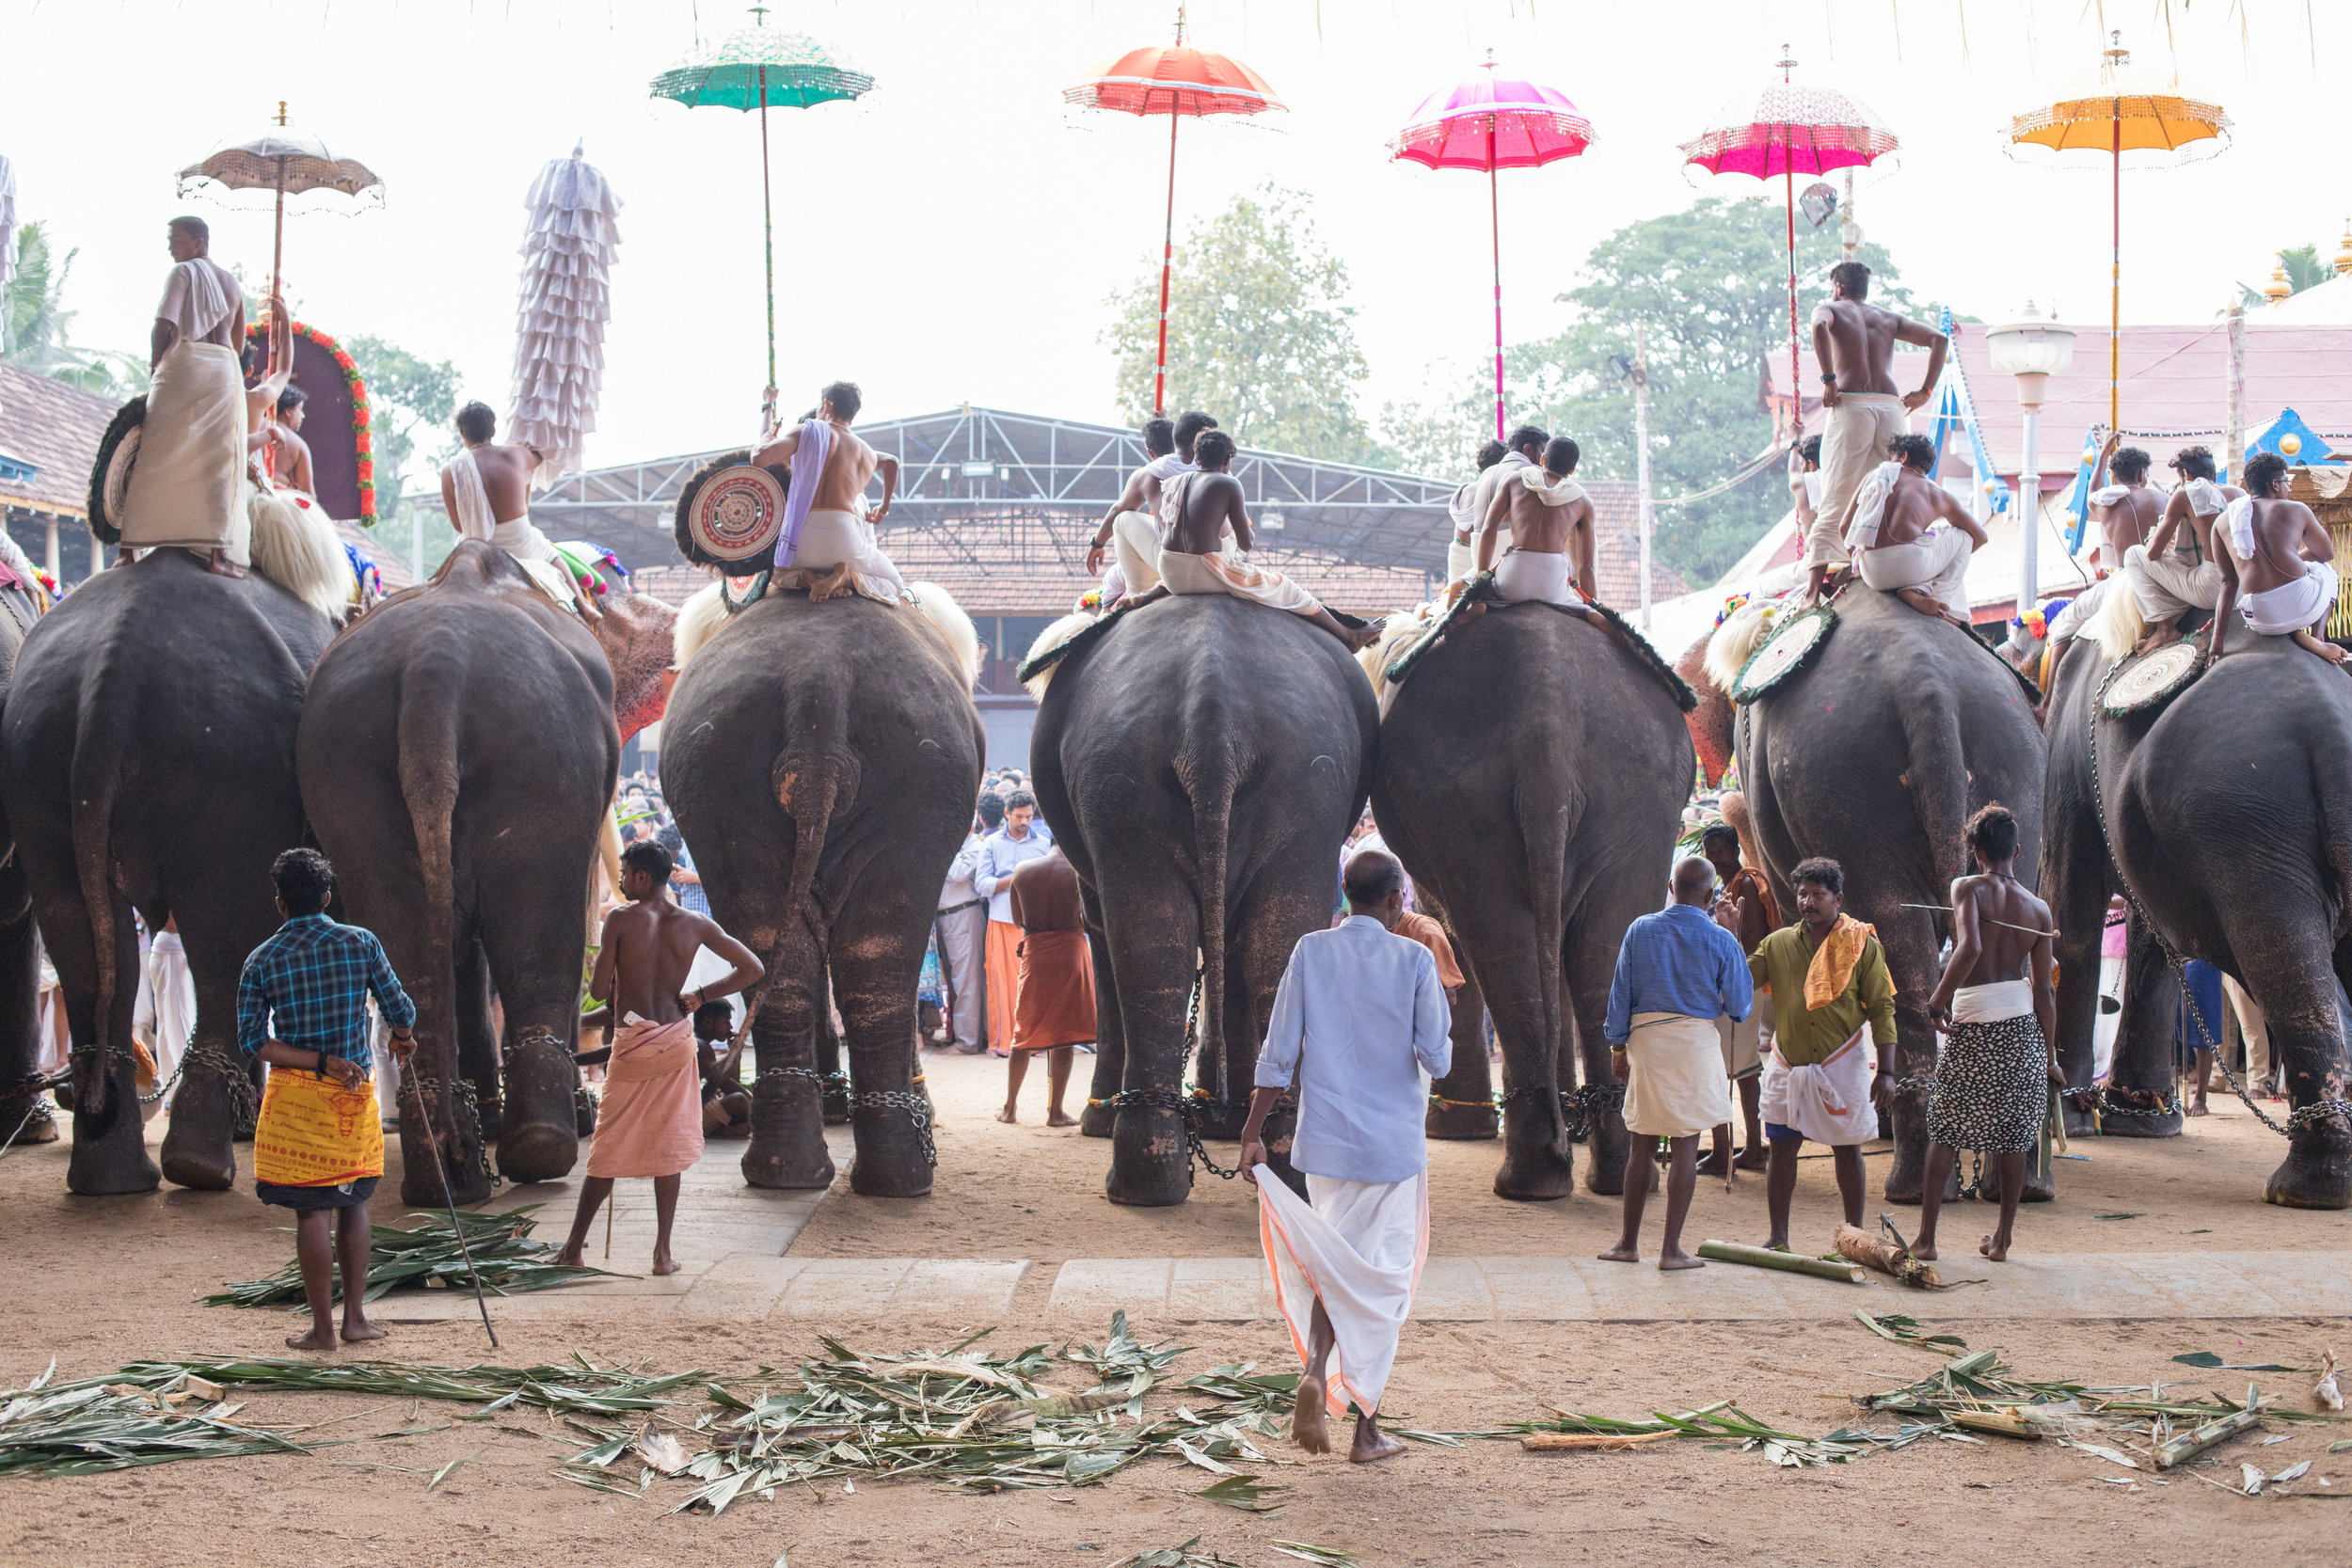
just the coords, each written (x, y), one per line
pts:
(1258, 332)
(412, 401)
(2303, 268)
(1711, 285)
(36, 326)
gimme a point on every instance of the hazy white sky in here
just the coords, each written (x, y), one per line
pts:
(954, 235)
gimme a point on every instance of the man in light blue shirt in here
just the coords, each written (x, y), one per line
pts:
(1361, 1024)
(1021, 838)
(1678, 971)
(961, 926)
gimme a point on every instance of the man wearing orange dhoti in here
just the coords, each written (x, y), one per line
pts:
(650, 1121)
(1054, 1009)
(1021, 838)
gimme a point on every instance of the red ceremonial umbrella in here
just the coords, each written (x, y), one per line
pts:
(1172, 82)
(1791, 131)
(1489, 122)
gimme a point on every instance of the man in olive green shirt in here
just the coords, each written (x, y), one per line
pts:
(1828, 978)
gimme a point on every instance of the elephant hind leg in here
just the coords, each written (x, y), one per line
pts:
(2304, 1004)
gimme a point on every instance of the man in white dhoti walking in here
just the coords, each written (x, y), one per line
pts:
(1678, 971)
(1360, 1020)
(187, 488)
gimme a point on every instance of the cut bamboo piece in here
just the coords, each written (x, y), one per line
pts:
(2002, 1423)
(1563, 1442)
(2191, 1444)
(1883, 1254)
(1786, 1262)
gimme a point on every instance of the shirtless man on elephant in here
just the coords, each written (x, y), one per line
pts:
(1550, 519)
(2278, 568)
(831, 531)
(1854, 343)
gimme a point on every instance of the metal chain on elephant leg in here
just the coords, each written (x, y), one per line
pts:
(2302, 1115)
(1185, 1106)
(244, 1104)
(915, 1104)
(464, 1112)
(1582, 1109)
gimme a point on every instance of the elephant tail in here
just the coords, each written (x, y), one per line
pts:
(96, 774)
(428, 784)
(811, 783)
(1544, 832)
(1212, 828)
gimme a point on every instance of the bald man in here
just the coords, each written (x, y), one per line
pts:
(1678, 971)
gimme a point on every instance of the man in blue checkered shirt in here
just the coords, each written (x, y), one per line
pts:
(319, 1149)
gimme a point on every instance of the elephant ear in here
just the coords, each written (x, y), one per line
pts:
(110, 475)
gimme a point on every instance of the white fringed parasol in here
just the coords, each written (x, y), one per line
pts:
(561, 307)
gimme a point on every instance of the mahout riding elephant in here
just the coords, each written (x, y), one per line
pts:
(2225, 818)
(1200, 761)
(146, 762)
(1531, 775)
(457, 757)
(1875, 754)
(821, 760)
(20, 937)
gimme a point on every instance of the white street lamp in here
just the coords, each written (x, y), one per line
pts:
(2032, 350)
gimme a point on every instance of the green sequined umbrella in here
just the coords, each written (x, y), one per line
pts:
(755, 68)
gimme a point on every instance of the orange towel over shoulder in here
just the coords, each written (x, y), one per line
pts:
(1055, 1004)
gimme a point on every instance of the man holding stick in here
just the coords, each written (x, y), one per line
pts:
(302, 1007)
(1678, 970)
(1361, 1022)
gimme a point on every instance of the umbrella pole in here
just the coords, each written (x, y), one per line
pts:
(278, 246)
(1796, 387)
(1494, 221)
(2115, 288)
(768, 224)
(1168, 262)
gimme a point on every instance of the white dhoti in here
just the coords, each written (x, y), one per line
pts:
(832, 538)
(1135, 544)
(1181, 572)
(1827, 1101)
(1358, 1249)
(187, 487)
(1676, 1088)
(1461, 559)
(164, 1014)
(1861, 428)
(1936, 563)
(2287, 609)
(2167, 587)
(1525, 574)
(2080, 610)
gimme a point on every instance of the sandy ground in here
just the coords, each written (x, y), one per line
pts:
(1029, 1190)
(104, 1281)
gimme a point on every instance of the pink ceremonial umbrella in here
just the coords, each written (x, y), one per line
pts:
(1791, 131)
(1489, 122)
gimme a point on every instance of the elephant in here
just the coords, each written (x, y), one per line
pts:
(1200, 761)
(22, 1114)
(146, 762)
(457, 756)
(1875, 754)
(1532, 772)
(2225, 818)
(821, 760)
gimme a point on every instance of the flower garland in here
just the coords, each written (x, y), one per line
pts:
(2036, 620)
(362, 420)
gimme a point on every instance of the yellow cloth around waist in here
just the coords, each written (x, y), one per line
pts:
(314, 1132)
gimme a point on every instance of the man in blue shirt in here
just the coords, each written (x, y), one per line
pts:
(1021, 838)
(1678, 970)
(302, 1007)
(1361, 1022)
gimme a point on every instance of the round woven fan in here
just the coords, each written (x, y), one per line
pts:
(1785, 651)
(2153, 681)
(736, 514)
(110, 475)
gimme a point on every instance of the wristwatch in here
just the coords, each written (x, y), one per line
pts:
(1829, 378)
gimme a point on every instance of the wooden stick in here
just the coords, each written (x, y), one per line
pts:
(2005, 1423)
(2190, 1443)
(1786, 1262)
(1563, 1442)
(611, 1201)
